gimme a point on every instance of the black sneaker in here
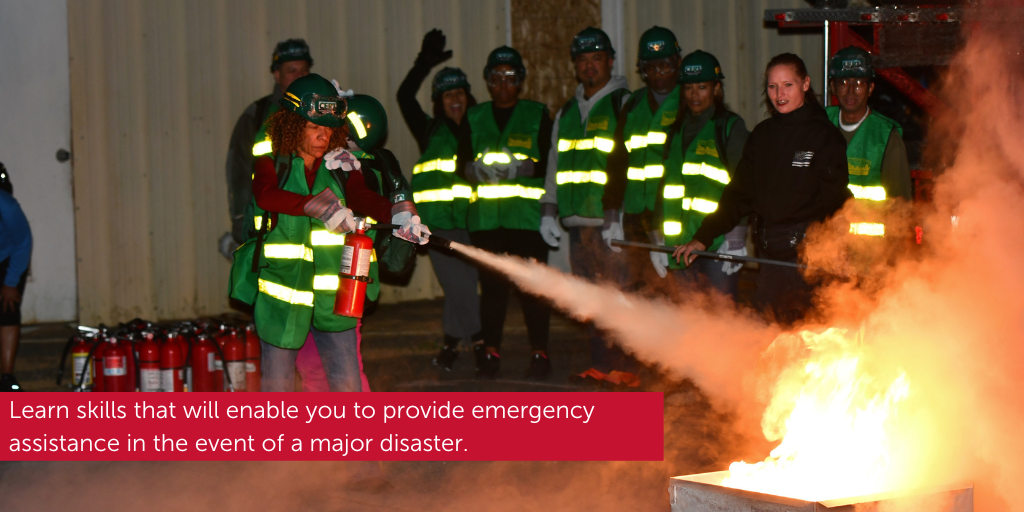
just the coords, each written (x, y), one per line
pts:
(446, 358)
(479, 355)
(489, 366)
(9, 383)
(540, 367)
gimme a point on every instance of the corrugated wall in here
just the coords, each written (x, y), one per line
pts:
(156, 88)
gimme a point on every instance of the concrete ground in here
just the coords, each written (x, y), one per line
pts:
(398, 343)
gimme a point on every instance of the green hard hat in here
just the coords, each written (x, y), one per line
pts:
(657, 43)
(289, 50)
(505, 55)
(591, 40)
(316, 100)
(446, 80)
(700, 66)
(367, 121)
(851, 62)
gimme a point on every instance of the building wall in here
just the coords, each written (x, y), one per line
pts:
(157, 86)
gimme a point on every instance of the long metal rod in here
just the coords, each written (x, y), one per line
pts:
(824, 85)
(707, 254)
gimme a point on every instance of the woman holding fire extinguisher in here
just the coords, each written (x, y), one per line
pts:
(290, 270)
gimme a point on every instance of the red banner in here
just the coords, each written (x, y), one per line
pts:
(331, 426)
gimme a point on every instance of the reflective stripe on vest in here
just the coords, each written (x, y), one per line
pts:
(328, 282)
(442, 194)
(867, 228)
(324, 237)
(505, 191)
(672, 227)
(708, 171)
(286, 294)
(876, 193)
(700, 205)
(440, 164)
(262, 148)
(502, 158)
(564, 177)
(602, 144)
(641, 141)
(674, 191)
(288, 252)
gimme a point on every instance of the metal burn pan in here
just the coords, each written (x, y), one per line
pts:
(703, 493)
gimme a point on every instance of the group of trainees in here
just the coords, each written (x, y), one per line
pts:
(668, 164)
(665, 164)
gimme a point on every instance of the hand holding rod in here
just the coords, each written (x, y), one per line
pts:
(708, 254)
(441, 243)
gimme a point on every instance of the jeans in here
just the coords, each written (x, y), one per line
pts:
(339, 353)
(592, 259)
(458, 278)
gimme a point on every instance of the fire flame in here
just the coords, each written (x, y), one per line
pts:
(835, 413)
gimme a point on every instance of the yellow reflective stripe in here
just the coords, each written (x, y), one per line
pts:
(674, 191)
(703, 169)
(867, 228)
(656, 138)
(430, 196)
(258, 221)
(353, 118)
(566, 145)
(601, 143)
(329, 282)
(520, 156)
(604, 145)
(701, 205)
(373, 255)
(636, 142)
(564, 177)
(262, 148)
(870, 193)
(672, 227)
(323, 237)
(636, 173)
(654, 171)
(462, 191)
(440, 164)
(286, 294)
(288, 252)
(496, 158)
(506, 191)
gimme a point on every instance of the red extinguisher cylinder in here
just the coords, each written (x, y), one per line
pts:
(172, 367)
(203, 367)
(115, 367)
(149, 365)
(353, 275)
(79, 360)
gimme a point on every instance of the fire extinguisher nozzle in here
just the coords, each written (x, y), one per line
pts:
(442, 243)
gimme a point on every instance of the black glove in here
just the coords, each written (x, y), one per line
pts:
(432, 52)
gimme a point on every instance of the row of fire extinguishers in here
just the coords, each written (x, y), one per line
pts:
(142, 356)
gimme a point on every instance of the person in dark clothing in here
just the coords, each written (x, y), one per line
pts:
(502, 151)
(15, 253)
(793, 172)
(442, 197)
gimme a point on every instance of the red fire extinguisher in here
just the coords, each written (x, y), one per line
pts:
(172, 367)
(253, 365)
(234, 362)
(115, 356)
(149, 364)
(81, 364)
(203, 355)
(354, 273)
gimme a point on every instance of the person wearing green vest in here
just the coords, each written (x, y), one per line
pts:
(875, 152)
(705, 145)
(441, 197)
(581, 141)
(249, 140)
(502, 153)
(633, 179)
(308, 206)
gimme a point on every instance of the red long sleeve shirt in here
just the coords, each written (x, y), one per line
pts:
(358, 197)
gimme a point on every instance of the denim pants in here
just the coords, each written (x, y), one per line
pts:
(592, 259)
(339, 353)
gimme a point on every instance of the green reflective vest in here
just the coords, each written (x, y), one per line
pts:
(864, 156)
(644, 135)
(583, 156)
(694, 181)
(441, 197)
(510, 204)
(298, 276)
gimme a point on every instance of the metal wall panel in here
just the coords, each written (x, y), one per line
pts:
(156, 90)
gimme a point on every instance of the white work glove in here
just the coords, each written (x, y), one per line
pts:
(485, 173)
(344, 94)
(411, 230)
(227, 246)
(659, 259)
(735, 244)
(549, 230)
(341, 159)
(510, 170)
(612, 229)
(326, 207)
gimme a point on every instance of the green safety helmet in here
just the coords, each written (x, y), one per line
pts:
(851, 62)
(316, 100)
(505, 55)
(699, 66)
(591, 40)
(367, 121)
(657, 43)
(292, 49)
(446, 80)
